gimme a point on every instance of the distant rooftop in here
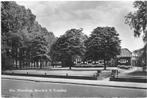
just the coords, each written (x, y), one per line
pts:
(138, 52)
(125, 53)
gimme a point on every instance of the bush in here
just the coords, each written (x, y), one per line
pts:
(124, 66)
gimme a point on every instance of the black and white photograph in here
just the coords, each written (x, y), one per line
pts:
(74, 49)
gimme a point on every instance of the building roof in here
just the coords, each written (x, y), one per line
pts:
(125, 53)
(140, 52)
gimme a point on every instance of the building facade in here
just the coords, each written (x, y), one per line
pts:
(125, 57)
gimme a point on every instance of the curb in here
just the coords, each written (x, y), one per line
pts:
(129, 80)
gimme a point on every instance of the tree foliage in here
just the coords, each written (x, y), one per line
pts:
(138, 20)
(25, 42)
(67, 46)
(23, 39)
(103, 43)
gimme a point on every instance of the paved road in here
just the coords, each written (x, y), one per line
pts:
(32, 89)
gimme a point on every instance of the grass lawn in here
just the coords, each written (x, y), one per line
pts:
(54, 72)
(82, 72)
(138, 73)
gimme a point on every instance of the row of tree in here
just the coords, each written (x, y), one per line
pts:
(27, 43)
(102, 44)
(24, 41)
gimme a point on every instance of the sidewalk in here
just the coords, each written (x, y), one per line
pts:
(80, 82)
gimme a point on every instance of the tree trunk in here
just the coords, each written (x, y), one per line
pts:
(37, 64)
(104, 64)
(63, 63)
(20, 63)
(32, 64)
(70, 62)
(70, 66)
(41, 63)
(16, 63)
(46, 64)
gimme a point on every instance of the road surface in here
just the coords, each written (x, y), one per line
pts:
(32, 89)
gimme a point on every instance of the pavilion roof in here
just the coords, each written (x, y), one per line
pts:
(125, 53)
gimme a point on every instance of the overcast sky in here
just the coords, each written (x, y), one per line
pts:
(59, 17)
